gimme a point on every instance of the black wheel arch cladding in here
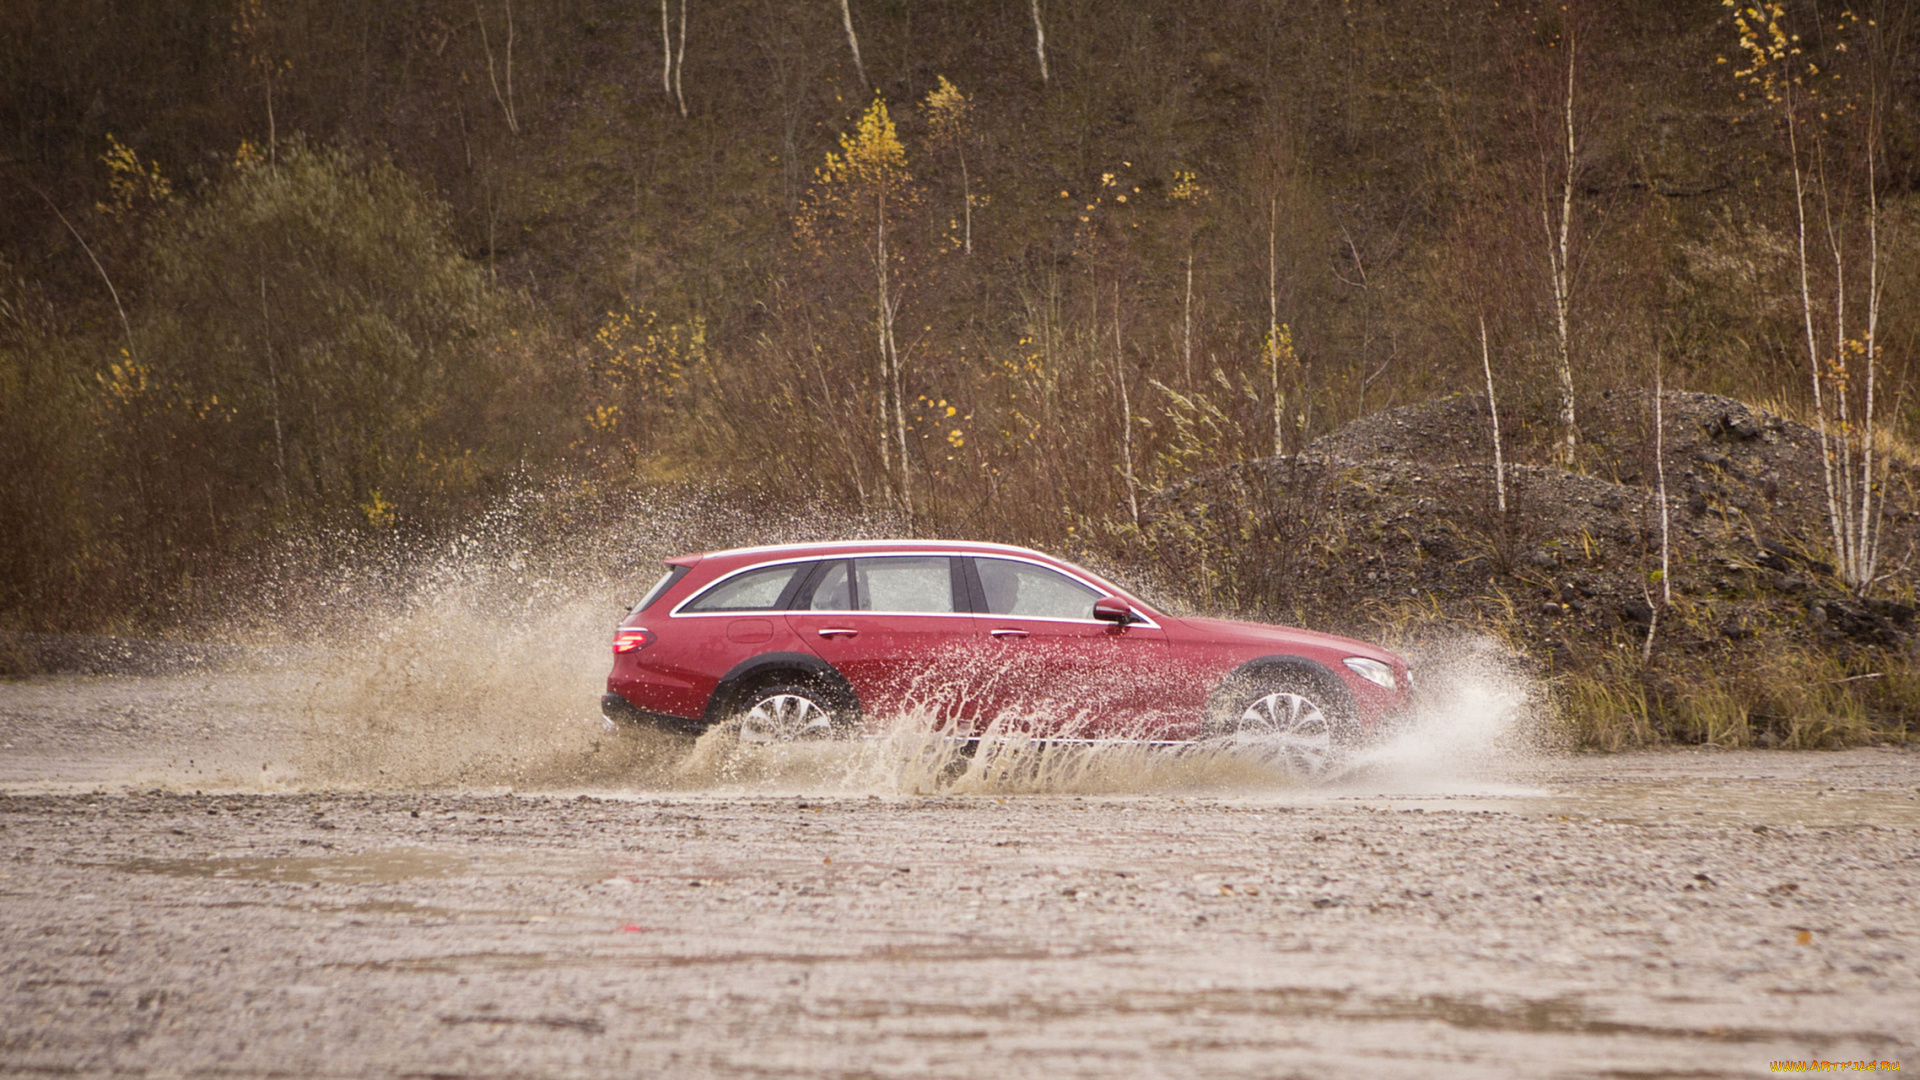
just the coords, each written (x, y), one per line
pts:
(797, 666)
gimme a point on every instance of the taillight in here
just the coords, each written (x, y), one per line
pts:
(631, 639)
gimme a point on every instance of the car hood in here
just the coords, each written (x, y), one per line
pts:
(1231, 631)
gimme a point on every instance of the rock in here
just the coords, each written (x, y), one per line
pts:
(1637, 611)
(1775, 555)
(1740, 425)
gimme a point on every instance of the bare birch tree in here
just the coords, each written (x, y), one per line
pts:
(853, 42)
(1039, 39)
(506, 101)
(1190, 195)
(1493, 411)
(1559, 249)
(1273, 324)
(1126, 412)
(666, 49)
(1666, 539)
(1777, 67)
(854, 195)
(1281, 357)
(674, 60)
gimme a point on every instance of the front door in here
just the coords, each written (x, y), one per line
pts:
(1054, 670)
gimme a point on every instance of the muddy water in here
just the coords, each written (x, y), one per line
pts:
(319, 870)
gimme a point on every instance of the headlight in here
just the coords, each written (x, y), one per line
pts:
(1373, 671)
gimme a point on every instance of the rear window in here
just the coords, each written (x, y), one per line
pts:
(755, 590)
(667, 581)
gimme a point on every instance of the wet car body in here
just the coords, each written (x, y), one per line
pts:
(973, 639)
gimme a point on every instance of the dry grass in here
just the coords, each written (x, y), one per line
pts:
(1774, 695)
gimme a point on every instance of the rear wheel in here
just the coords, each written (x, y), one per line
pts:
(786, 710)
(1288, 719)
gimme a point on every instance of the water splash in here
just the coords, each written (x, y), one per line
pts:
(1476, 719)
(477, 664)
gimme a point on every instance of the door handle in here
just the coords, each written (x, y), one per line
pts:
(1007, 632)
(833, 632)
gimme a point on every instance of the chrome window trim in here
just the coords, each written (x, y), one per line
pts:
(907, 551)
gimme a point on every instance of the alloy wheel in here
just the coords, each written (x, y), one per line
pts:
(1288, 730)
(785, 717)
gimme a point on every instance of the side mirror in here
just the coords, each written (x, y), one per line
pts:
(1110, 609)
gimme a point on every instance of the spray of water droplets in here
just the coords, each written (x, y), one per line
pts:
(476, 663)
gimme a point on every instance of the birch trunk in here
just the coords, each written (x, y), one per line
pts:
(680, 61)
(1126, 413)
(1869, 538)
(1273, 325)
(966, 195)
(1557, 253)
(1493, 410)
(1186, 321)
(506, 101)
(1806, 312)
(886, 369)
(853, 43)
(1039, 40)
(273, 389)
(1660, 470)
(666, 49)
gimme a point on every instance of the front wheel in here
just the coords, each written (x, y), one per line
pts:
(1289, 720)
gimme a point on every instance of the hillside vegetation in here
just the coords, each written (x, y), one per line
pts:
(1005, 270)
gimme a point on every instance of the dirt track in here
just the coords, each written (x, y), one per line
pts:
(1685, 913)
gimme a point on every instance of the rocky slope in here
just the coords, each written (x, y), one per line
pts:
(1395, 519)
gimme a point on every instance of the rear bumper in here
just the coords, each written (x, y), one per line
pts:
(621, 711)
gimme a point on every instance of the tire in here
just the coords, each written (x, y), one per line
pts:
(1290, 718)
(787, 708)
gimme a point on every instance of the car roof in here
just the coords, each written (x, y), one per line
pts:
(861, 547)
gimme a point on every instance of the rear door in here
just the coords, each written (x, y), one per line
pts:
(897, 627)
(1051, 668)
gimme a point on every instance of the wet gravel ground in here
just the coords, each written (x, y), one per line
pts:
(1690, 914)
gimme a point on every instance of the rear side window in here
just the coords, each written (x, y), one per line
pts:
(755, 590)
(667, 581)
(1018, 588)
(912, 583)
(833, 592)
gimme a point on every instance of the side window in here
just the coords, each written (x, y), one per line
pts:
(904, 583)
(831, 592)
(1017, 588)
(755, 590)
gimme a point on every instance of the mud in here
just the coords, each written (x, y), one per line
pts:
(188, 891)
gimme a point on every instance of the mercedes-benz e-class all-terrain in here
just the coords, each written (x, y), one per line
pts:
(976, 640)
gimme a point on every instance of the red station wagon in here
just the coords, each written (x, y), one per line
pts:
(974, 640)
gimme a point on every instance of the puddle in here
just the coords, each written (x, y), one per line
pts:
(369, 868)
